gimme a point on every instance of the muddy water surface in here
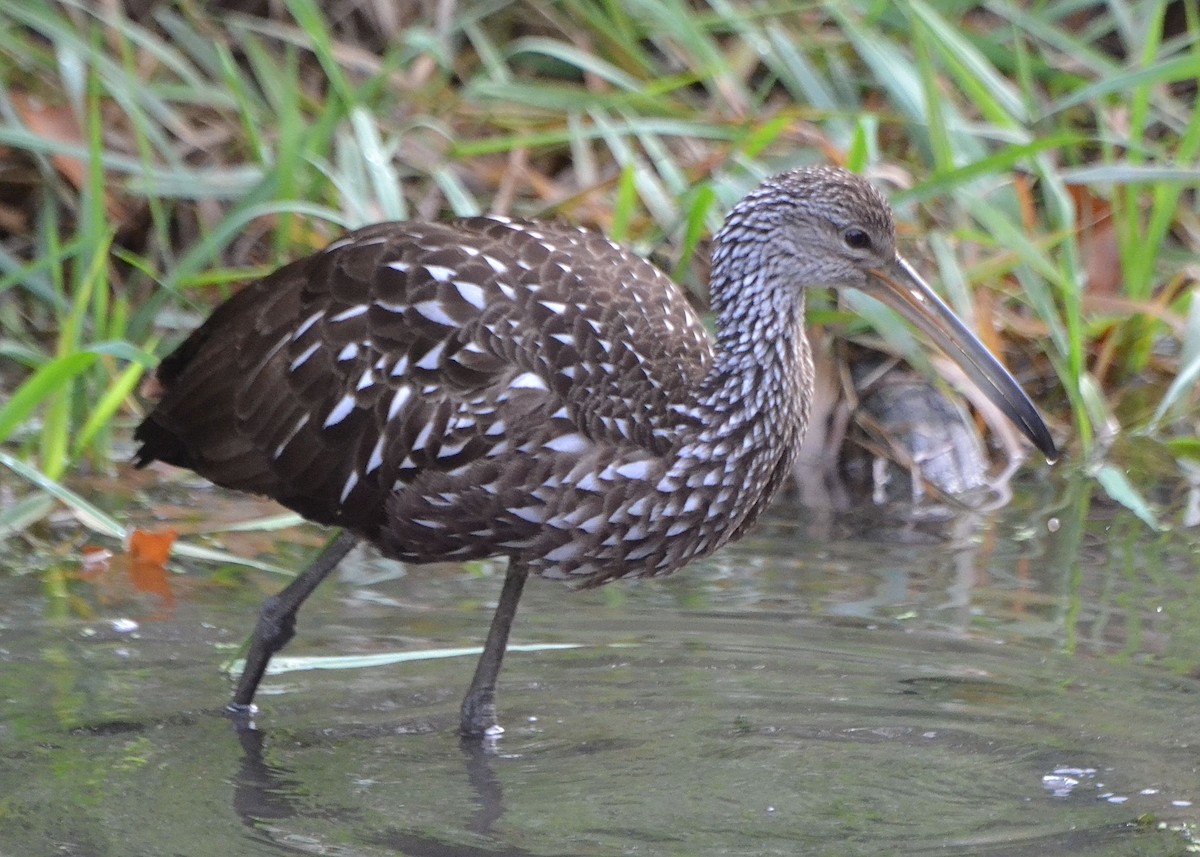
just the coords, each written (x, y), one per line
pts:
(999, 684)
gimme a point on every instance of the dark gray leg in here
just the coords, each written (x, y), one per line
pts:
(479, 706)
(277, 620)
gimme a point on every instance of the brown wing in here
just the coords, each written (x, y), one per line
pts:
(406, 354)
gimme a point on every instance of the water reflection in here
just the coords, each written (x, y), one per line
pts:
(262, 792)
(266, 795)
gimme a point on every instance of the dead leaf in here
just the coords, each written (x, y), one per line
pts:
(58, 122)
(140, 570)
(1097, 242)
(152, 547)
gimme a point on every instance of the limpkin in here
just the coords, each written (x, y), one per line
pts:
(500, 387)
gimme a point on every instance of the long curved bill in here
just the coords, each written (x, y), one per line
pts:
(901, 288)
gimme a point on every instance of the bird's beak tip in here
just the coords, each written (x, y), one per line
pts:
(902, 288)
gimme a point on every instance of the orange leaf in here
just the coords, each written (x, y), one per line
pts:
(148, 553)
(151, 547)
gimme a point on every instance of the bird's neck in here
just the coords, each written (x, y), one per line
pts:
(754, 403)
(762, 372)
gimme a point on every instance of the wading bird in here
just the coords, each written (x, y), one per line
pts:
(498, 387)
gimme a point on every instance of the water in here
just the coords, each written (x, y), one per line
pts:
(1009, 684)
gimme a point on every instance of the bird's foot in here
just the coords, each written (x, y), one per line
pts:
(478, 718)
(242, 716)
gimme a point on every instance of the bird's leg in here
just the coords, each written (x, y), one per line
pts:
(479, 705)
(277, 620)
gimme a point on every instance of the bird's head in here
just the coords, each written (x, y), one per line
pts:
(824, 226)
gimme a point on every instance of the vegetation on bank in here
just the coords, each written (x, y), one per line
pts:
(1042, 158)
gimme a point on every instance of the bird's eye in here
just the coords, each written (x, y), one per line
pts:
(856, 239)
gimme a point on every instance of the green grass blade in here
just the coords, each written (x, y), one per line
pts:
(18, 517)
(222, 557)
(88, 514)
(301, 663)
(1119, 488)
(101, 414)
(40, 388)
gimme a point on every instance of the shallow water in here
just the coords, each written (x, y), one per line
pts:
(1016, 683)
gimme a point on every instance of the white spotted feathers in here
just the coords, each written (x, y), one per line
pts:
(498, 387)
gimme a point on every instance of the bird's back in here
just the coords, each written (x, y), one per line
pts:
(449, 390)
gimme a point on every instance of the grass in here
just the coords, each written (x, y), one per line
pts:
(1042, 158)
